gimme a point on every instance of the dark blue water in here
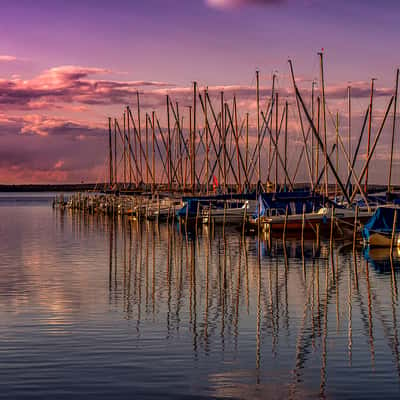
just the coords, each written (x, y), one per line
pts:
(97, 308)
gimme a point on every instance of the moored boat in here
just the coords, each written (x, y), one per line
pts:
(380, 228)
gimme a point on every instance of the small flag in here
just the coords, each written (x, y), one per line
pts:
(215, 183)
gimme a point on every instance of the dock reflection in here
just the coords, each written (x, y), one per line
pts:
(301, 302)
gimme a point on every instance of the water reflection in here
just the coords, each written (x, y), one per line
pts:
(306, 302)
(215, 313)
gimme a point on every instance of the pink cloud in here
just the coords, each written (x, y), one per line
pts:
(7, 58)
(67, 84)
(237, 3)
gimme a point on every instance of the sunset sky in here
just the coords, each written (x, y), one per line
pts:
(65, 66)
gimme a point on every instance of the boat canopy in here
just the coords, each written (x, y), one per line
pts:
(381, 222)
(293, 201)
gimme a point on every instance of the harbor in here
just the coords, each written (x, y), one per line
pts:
(199, 199)
(204, 168)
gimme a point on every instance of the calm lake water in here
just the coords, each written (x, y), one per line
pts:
(96, 308)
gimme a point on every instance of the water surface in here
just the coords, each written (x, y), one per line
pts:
(93, 307)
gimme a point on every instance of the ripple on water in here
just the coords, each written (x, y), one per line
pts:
(97, 308)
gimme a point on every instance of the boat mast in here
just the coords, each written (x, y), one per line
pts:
(258, 122)
(349, 125)
(369, 132)
(321, 56)
(110, 152)
(194, 136)
(115, 152)
(276, 140)
(286, 132)
(393, 131)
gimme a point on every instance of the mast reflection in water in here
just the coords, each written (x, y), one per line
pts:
(103, 307)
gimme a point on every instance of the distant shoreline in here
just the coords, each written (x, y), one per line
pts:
(82, 187)
(73, 187)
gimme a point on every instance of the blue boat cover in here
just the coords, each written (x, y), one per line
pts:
(294, 201)
(381, 222)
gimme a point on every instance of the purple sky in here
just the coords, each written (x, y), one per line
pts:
(65, 66)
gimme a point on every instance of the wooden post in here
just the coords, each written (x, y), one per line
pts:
(331, 232)
(303, 220)
(244, 219)
(197, 214)
(355, 230)
(393, 230)
(285, 225)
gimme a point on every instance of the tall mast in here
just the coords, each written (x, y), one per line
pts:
(271, 120)
(321, 55)
(276, 140)
(258, 121)
(337, 150)
(312, 136)
(207, 148)
(140, 134)
(153, 131)
(247, 145)
(147, 151)
(191, 146)
(393, 131)
(110, 152)
(223, 134)
(169, 174)
(129, 146)
(194, 135)
(286, 138)
(349, 126)
(369, 132)
(236, 133)
(115, 153)
(317, 147)
(125, 151)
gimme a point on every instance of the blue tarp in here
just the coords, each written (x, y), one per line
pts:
(294, 201)
(382, 222)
